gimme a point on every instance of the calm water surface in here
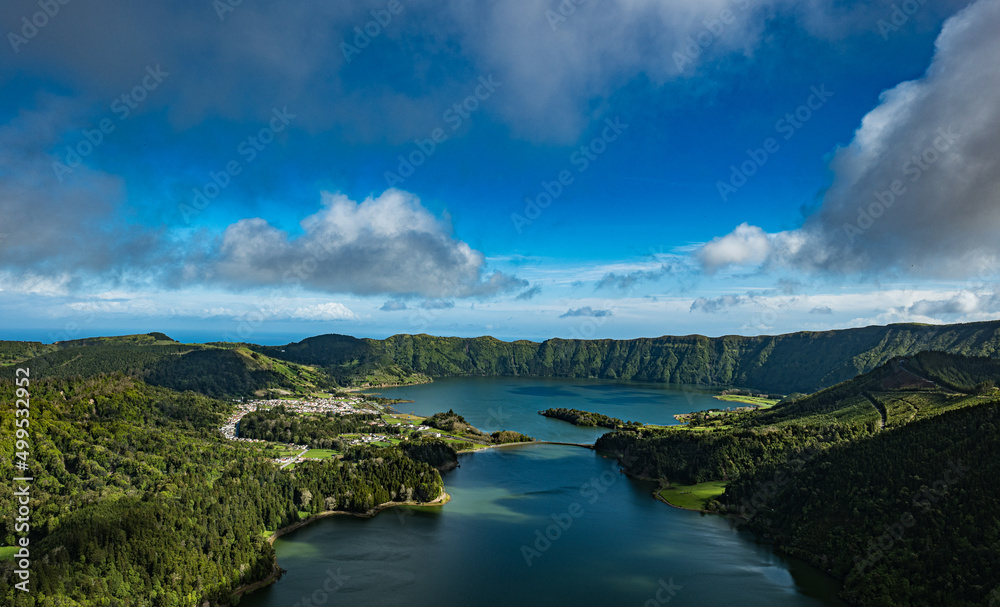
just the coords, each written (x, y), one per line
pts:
(507, 403)
(539, 525)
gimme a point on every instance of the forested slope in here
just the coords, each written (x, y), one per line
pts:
(796, 362)
(887, 480)
(219, 371)
(908, 517)
(137, 499)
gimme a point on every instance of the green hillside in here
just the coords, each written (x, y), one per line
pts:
(14, 351)
(217, 371)
(138, 500)
(850, 478)
(125, 448)
(796, 362)
(729, 445)
(908, 517)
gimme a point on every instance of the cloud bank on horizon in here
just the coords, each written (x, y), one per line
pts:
(196, 163)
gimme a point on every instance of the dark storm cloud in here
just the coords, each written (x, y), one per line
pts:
(62, 226)
(238, 64)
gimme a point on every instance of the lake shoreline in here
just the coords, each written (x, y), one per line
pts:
(277, 572)
(656, 494)
(533, 442)
(485, 468)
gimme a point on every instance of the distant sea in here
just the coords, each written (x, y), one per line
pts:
(187, 336)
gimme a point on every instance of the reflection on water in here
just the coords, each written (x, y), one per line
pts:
(537, 525)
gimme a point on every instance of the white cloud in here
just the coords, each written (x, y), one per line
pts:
(34, 284)
(324, 311)
(60, 223)
(385, 245)
(586, 311)
(393, 305)
(746, 245)
(626, 281)
(718, 304)
(961, 304)
(125, 306)
(917, 191)
(437, 304)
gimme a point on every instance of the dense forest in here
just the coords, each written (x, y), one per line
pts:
(454, 423)
(884, 480)
(796, 362)
(437, 453)
(505, 437)
(218, 371)
(586, 418)
(907, 517)
(137, 500)
(320, 431)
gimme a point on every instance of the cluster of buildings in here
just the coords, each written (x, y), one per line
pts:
(338, 406)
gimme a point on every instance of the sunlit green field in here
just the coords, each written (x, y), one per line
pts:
(321, 453)
(693, 497)
(749, 400)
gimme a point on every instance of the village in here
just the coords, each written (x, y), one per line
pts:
(350, 405)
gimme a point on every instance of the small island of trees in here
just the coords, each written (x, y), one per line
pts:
(587, 418)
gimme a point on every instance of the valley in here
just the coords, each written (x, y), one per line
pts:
(256, 444)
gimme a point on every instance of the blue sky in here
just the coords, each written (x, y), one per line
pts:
(524, 169)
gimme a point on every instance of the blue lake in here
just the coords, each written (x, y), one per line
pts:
(503, 403)
(539, 524)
